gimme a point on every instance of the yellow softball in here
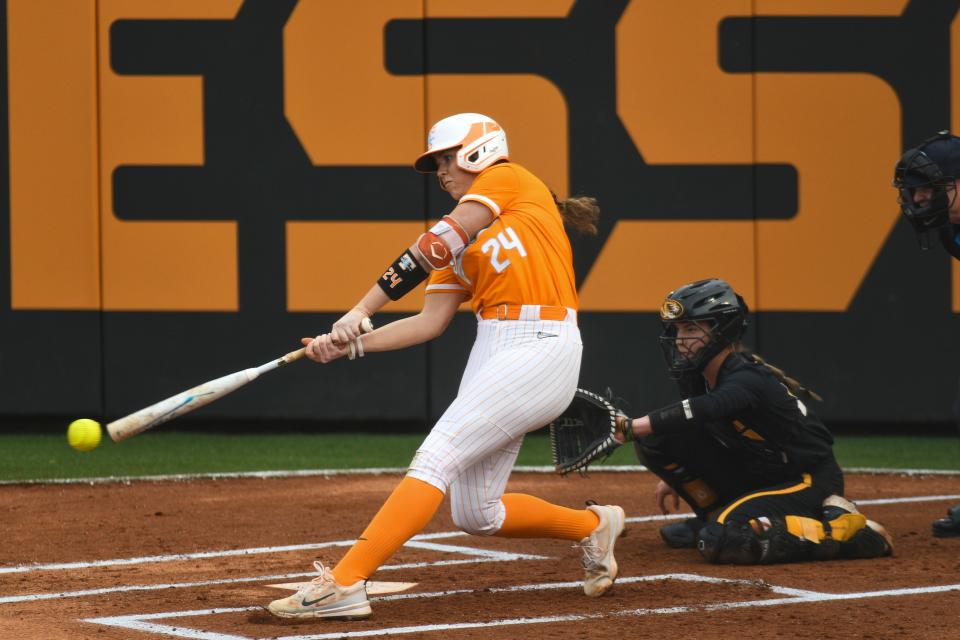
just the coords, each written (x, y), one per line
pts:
(84, 434)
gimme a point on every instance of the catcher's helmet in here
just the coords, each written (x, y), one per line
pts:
(481, 140)
(712, 305)
(934, 163)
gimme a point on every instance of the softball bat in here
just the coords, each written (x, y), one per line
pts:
(199, 396)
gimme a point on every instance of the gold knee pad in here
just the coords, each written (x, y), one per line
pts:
(840, 529)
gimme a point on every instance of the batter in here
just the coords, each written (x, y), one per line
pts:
(504, 248)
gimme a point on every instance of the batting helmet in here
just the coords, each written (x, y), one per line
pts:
(934, 163)
(480, 139)
(713, 306)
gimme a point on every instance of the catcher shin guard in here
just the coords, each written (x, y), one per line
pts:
(794, 539)
(694, 491)
(729, 543)
(857, 536)
(871, 541)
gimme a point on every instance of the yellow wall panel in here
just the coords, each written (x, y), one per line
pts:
(54, 226)
(343, 104)
(354, 255)
(817, 260)
(644, 260)
(830, 7)
(182, 266)
(955, 285)
(677, 104)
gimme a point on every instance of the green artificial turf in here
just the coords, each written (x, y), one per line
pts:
(46, 455)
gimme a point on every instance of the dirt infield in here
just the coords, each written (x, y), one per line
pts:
(192, 559)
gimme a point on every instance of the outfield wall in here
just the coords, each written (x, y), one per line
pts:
(193, 185)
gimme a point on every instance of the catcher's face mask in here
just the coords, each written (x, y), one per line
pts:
(688, 345)
(925, 191)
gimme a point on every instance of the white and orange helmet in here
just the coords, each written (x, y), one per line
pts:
(481, 140)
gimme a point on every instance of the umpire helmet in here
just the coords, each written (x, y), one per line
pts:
(934, 163)
(713, 306)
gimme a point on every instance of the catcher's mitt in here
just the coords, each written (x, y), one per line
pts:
(584, 432)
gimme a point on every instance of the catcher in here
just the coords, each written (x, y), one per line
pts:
(741, 447)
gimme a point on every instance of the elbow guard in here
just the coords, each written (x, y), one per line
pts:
(444, 241)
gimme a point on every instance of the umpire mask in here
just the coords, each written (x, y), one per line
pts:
(934, 164)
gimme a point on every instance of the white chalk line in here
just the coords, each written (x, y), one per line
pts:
(376, 471)
(907, 500)
(140, 622)
(206, 583)
(476, 556)
(688, 577)
(66, 566)
(199, 555)
(471, 551)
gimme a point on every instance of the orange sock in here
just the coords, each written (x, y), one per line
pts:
(530, 517)
(405, 513)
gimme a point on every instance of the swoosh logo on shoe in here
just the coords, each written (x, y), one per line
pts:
(541, 335)
(308, 603)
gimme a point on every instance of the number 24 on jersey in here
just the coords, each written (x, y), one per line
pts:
(506, 239)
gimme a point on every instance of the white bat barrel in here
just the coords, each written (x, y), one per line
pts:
(199, 396)
(179, 404)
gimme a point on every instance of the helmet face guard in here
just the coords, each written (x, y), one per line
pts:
(691, 359)
(918, 170)
(714, 307)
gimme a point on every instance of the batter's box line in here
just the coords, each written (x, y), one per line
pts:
(141, 622)
(476, 556)
(204, 555)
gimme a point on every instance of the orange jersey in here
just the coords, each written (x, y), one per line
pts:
(523, 257)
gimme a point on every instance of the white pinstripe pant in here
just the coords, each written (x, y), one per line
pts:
(520, 376)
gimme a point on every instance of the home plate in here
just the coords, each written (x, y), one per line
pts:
(374, 588)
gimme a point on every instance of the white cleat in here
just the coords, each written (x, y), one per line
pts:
(324, 598)
(599, 565)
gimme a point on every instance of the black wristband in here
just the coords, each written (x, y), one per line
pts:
(402, 277)
(673, 416)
